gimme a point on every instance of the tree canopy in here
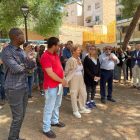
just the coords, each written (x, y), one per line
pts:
(44, 17)
(130, 7)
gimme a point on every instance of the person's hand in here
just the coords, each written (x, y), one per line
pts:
(64, 82)
(95, 78)
(28, 60)
(22, 64)
(66, 60)
(129, 56)
(99, 78)
(1, 62)
(111, 57)
(11, 70)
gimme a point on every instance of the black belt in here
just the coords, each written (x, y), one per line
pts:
(107, 70)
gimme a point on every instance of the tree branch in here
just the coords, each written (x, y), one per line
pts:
(131, 29)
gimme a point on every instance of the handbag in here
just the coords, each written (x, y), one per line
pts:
(30, 72)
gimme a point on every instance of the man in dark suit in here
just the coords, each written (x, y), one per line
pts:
(135, 65)
(128, 63)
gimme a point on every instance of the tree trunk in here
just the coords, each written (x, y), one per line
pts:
(131, 29)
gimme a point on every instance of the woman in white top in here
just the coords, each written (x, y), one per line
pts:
(74, 78)
(27, 49)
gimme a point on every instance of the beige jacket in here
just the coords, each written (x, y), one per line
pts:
(71, 68)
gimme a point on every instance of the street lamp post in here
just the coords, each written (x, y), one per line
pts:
(25, 10)
(120, 30)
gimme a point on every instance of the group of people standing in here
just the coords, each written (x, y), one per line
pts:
(129, 64)
(34, 75)
(58, 68)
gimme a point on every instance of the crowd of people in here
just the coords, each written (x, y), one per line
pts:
(62, 67)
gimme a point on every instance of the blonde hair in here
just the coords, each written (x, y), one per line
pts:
(73, 47)
(95, 55)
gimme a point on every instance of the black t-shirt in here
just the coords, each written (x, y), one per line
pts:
(128, 62)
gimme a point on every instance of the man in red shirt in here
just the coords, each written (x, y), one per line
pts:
(53, 76)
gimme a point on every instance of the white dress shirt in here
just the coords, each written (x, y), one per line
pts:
(84, 54)
(107, 63)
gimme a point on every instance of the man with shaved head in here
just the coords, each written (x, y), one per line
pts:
(107, 64)
(16, 63)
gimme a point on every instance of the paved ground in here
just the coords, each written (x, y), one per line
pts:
(113, 121)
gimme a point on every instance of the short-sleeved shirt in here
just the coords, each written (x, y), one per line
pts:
(49, 60)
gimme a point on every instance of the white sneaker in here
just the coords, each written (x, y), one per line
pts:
(41, 92)
(85, 111)
(77, 114)
(0, 107)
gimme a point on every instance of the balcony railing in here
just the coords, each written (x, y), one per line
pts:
(135, 35)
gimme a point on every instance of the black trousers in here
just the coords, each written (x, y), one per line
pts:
(128, 66)
(91, 89)
(17, 100)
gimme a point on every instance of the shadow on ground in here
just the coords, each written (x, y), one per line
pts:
(113, 121)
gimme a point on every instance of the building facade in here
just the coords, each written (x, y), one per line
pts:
(74, 13)
(99, 12)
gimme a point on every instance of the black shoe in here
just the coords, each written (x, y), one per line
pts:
(112, 100)
(59, 124)
(29, 96)
(133, 86)
(103, 101)
(138, 88)
(50, 134)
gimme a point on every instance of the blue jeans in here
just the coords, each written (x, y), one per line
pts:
(106, 76)
(2, 79)
(36, 77)
(65, 91)
(30, 83)
(51, 109)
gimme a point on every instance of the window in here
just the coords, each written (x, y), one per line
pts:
(97, 5)
(72, 13)
(97, 18)
(67, 14)
(125, 29)
(89, 8)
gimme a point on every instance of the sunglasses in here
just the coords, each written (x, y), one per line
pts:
(92, 49)
(107, 49)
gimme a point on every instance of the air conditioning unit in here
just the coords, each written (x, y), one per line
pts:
(97, 22)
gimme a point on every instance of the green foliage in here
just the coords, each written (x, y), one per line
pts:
(130, 7)
(44, 18)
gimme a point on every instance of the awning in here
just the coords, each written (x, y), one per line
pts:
(88, 18)
(31, 41)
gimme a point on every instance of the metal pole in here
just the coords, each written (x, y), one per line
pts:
(26, 28)
(120, 38)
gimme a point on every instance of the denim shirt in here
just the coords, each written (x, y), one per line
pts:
(15, 73)
(66, 54)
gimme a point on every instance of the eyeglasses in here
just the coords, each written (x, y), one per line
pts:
(107, 49)
(92, 49)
